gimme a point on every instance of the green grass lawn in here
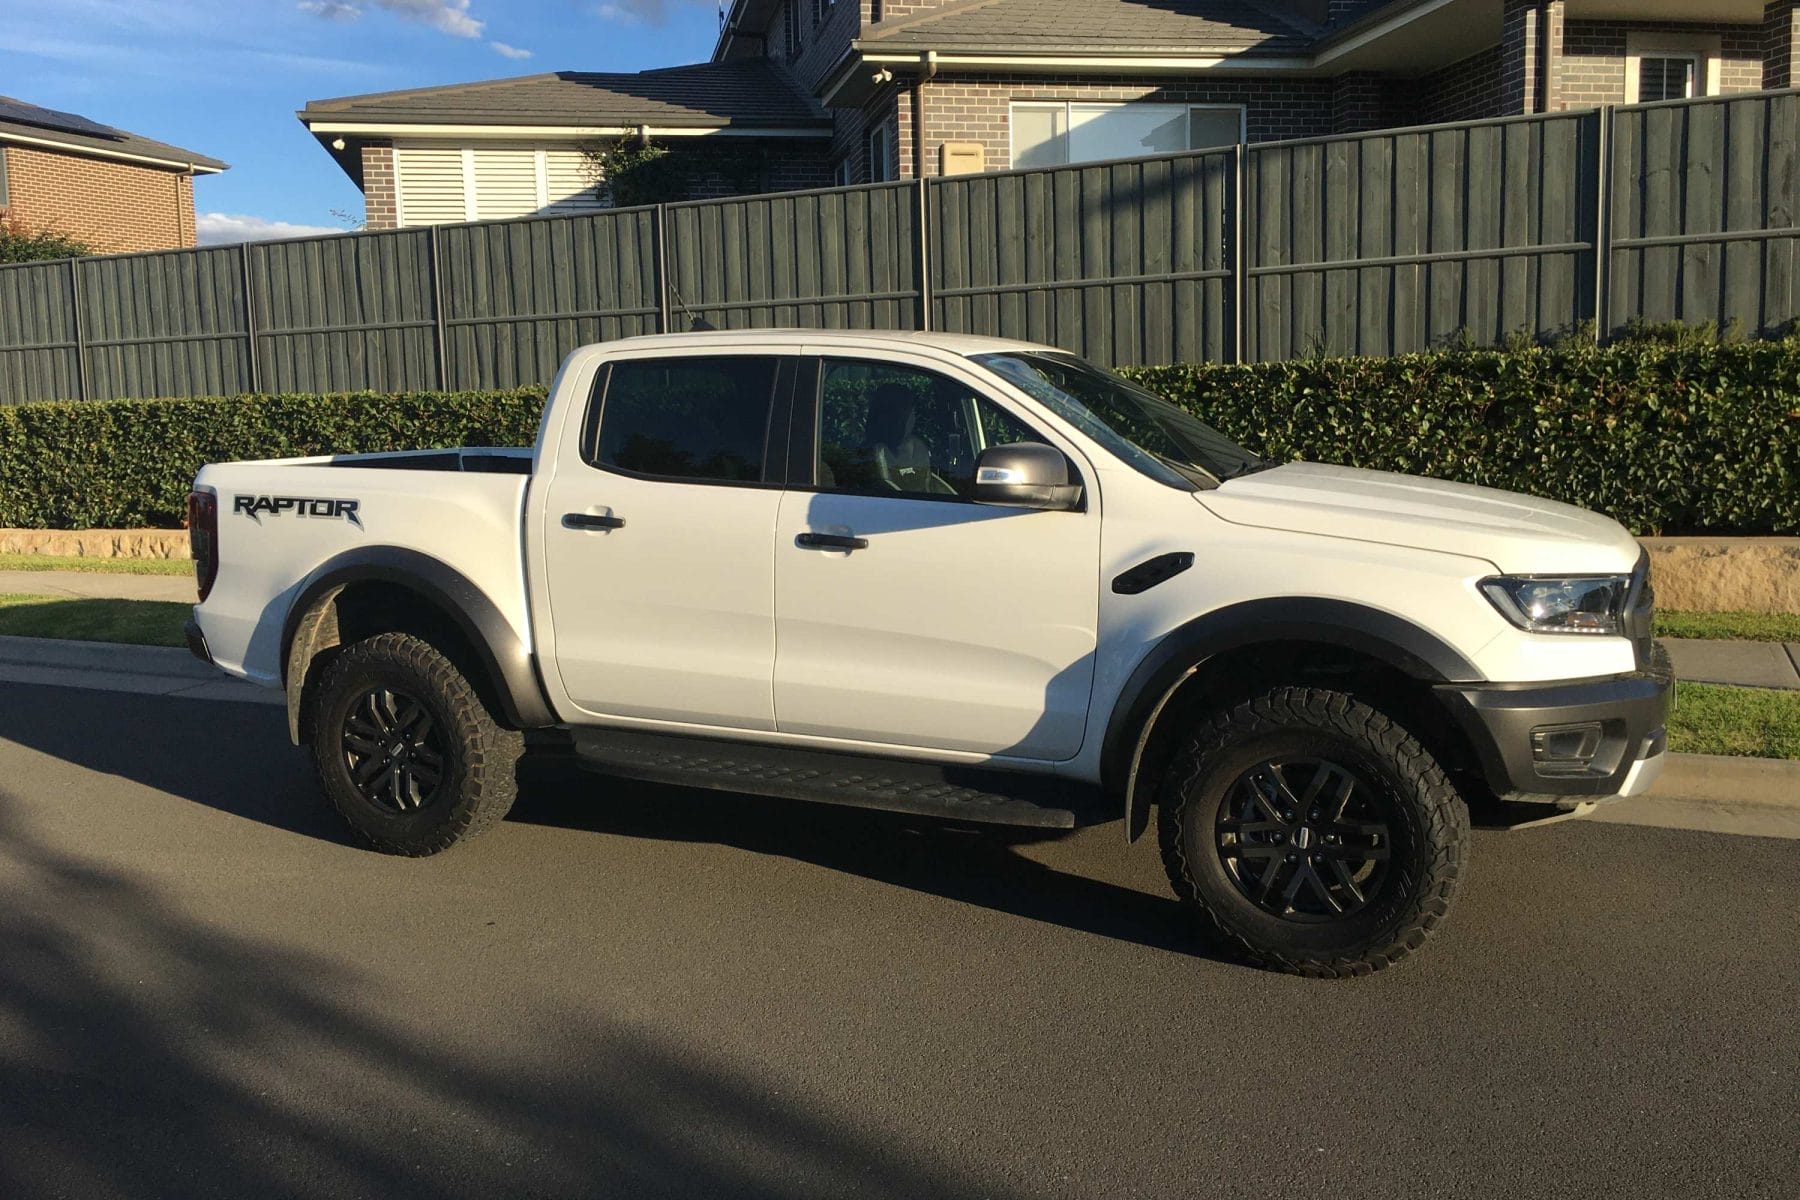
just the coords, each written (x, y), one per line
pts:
(1730, 626)
(137, 622)
(111, 566)
(1708, 718)
(1754, 722)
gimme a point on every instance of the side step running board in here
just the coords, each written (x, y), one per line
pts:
(895, 785)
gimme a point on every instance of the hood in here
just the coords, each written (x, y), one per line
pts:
(1521, 535)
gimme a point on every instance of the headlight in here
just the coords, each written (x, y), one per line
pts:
(1583, 604)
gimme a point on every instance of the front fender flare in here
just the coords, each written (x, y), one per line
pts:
(1174, 659)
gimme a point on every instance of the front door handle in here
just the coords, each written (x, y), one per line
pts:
(830, 541)
(591, 521)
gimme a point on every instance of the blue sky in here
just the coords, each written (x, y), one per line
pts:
(225, 77)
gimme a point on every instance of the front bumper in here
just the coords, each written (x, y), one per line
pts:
(1571, 740)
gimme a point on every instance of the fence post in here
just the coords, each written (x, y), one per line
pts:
(1603, 223)
(437, 315)
(81, 386)
(249, 315)
(659, 235)
(922, 253)
(1240, 284)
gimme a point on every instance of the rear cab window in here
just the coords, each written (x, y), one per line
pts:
(703, 419)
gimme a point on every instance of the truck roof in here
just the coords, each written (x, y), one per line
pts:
(957, 343)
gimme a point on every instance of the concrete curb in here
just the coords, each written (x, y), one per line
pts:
(110, 667)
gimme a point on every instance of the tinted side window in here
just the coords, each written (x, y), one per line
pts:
(887, 429)
(688, 418)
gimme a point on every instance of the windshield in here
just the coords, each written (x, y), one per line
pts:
(1145, 430)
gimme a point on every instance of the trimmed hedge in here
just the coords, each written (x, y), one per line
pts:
(128, 463)
(1670, 434)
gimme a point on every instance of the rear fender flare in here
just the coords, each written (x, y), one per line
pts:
(311, 625)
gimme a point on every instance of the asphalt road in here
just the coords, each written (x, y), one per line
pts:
(206, 991)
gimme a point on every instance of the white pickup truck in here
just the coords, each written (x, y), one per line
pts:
(966, 578)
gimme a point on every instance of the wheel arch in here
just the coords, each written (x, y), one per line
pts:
(1276, 640)
(374, 589)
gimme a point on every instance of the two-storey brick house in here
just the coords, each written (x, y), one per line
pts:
(115, 191)
(852, 91)
(938, 86)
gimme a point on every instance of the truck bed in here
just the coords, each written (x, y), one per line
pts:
(284, 524)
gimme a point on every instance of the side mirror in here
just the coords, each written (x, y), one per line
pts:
(1025, 475)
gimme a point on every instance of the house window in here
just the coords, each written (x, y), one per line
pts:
(845, 169)
(1050, 135)
(880, 155)
(791, 18)
(821, 10)
(1669, 66)
(1666, 77)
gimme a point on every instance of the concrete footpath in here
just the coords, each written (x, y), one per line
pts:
(1746, 664)
(1754, 796)
(99, 585)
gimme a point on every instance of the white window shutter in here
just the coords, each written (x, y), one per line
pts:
(432, 188)
(505, 181)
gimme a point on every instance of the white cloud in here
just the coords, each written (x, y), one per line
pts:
(506, 51)
(648, 12)
(219, 229)
(446, 16)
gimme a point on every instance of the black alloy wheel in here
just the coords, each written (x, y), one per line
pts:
(393, 750)
(1306, 839)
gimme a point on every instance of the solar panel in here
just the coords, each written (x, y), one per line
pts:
(20, 113)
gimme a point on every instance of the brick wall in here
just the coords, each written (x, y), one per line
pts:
(1463, 91)
(1593, 66)
(1781, 44)
(819, 44)
(975, 108)
(114, 207)
(381, 203)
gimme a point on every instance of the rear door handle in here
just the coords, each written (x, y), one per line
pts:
(830, 541)
(591, 521)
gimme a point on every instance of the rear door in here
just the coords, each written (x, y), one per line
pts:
(659, 531)
(956, 626)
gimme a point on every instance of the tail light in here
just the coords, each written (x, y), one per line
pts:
(203, 539)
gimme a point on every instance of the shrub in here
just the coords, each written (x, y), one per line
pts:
(1667, 435)
(19, 243)
(128, 463)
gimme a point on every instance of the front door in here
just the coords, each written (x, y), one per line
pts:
(952, 625)
(660, 522)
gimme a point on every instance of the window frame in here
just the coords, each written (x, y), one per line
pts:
(1068, 110)
(777, 432)
(1705, 49)
(805, 438)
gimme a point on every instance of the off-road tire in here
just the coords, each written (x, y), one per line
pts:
(1430, 830)
(478, 782)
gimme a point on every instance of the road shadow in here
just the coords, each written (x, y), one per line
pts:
(235, 758)
(978, 865)
(148, 1053)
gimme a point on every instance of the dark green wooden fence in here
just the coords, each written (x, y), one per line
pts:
(1375, 243)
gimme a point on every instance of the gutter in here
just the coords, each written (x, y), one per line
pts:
(191, 168)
